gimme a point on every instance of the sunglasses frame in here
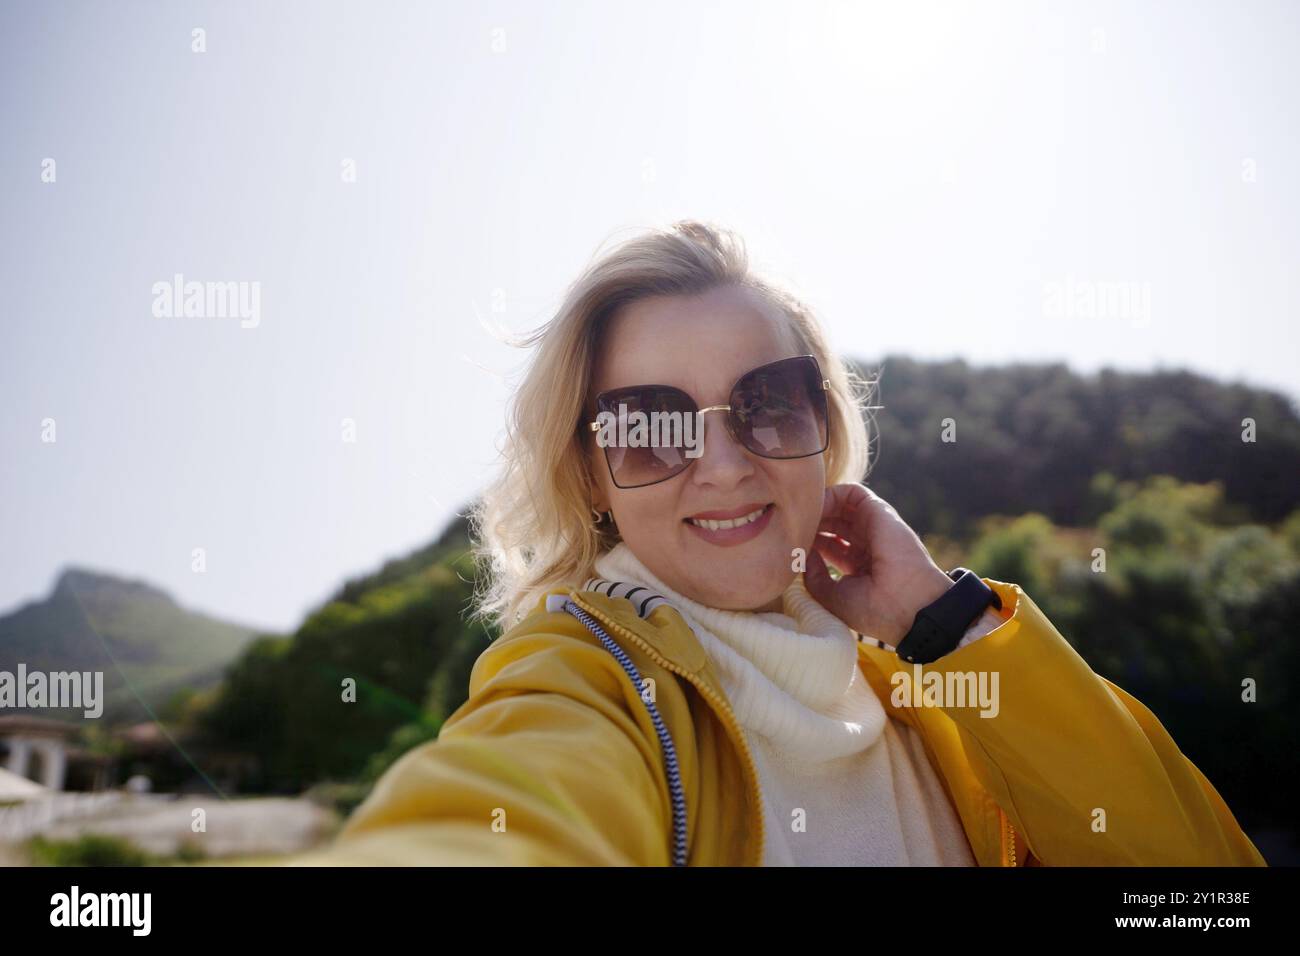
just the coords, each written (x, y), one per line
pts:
(731, 423)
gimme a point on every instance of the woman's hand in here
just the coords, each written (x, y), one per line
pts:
(888, 573)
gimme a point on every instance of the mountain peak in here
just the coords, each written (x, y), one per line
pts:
(82, 582)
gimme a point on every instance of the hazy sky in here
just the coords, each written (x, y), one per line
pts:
(936, 180)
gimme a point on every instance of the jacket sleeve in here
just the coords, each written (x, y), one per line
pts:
(1086, 773)
(552, 760)
(986, 623)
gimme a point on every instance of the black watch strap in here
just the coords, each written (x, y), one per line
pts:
(939, 626)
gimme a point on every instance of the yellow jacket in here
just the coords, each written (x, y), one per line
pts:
(555, 758)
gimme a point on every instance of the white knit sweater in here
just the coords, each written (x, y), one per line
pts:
(842, 784)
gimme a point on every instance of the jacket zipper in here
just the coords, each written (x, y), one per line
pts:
(722, 704)
(1009, 853)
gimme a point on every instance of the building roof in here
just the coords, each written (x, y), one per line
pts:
(26, 725)
(14, 787)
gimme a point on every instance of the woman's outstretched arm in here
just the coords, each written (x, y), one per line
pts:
(551, 761)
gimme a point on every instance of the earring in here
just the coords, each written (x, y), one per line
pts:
(603, 516)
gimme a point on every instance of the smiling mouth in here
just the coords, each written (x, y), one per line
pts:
(723, 524)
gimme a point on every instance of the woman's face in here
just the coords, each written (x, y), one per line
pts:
(702, 344)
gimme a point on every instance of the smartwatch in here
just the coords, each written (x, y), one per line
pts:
(940, 626)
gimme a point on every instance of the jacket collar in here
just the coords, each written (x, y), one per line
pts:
(665, 630)
(668, 633)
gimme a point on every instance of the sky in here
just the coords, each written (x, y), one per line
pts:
(399, 183)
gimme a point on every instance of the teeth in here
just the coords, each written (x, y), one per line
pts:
(711, 525)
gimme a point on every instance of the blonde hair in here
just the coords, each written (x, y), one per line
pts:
(534, 528)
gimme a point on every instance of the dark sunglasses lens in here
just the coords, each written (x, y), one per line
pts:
(647, 435)
(780, 409)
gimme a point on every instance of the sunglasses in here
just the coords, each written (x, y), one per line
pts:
(651, 433)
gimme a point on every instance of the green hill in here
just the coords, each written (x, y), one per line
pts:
(398, 633)
(143, 641)
(1033, 437)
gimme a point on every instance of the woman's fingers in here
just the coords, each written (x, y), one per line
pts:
(844, 500)
(848, 530)
(853, 508)
(840, 554)
(852, 500)
(841, 598)
(844, 536)
(857, 549)
(820, 584)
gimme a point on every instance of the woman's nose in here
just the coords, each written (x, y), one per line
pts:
(724, 461)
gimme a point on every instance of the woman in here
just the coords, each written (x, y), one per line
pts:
(682, 679)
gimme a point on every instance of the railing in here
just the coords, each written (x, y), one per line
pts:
(25, 820)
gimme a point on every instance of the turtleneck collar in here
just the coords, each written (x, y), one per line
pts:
(792, 677)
